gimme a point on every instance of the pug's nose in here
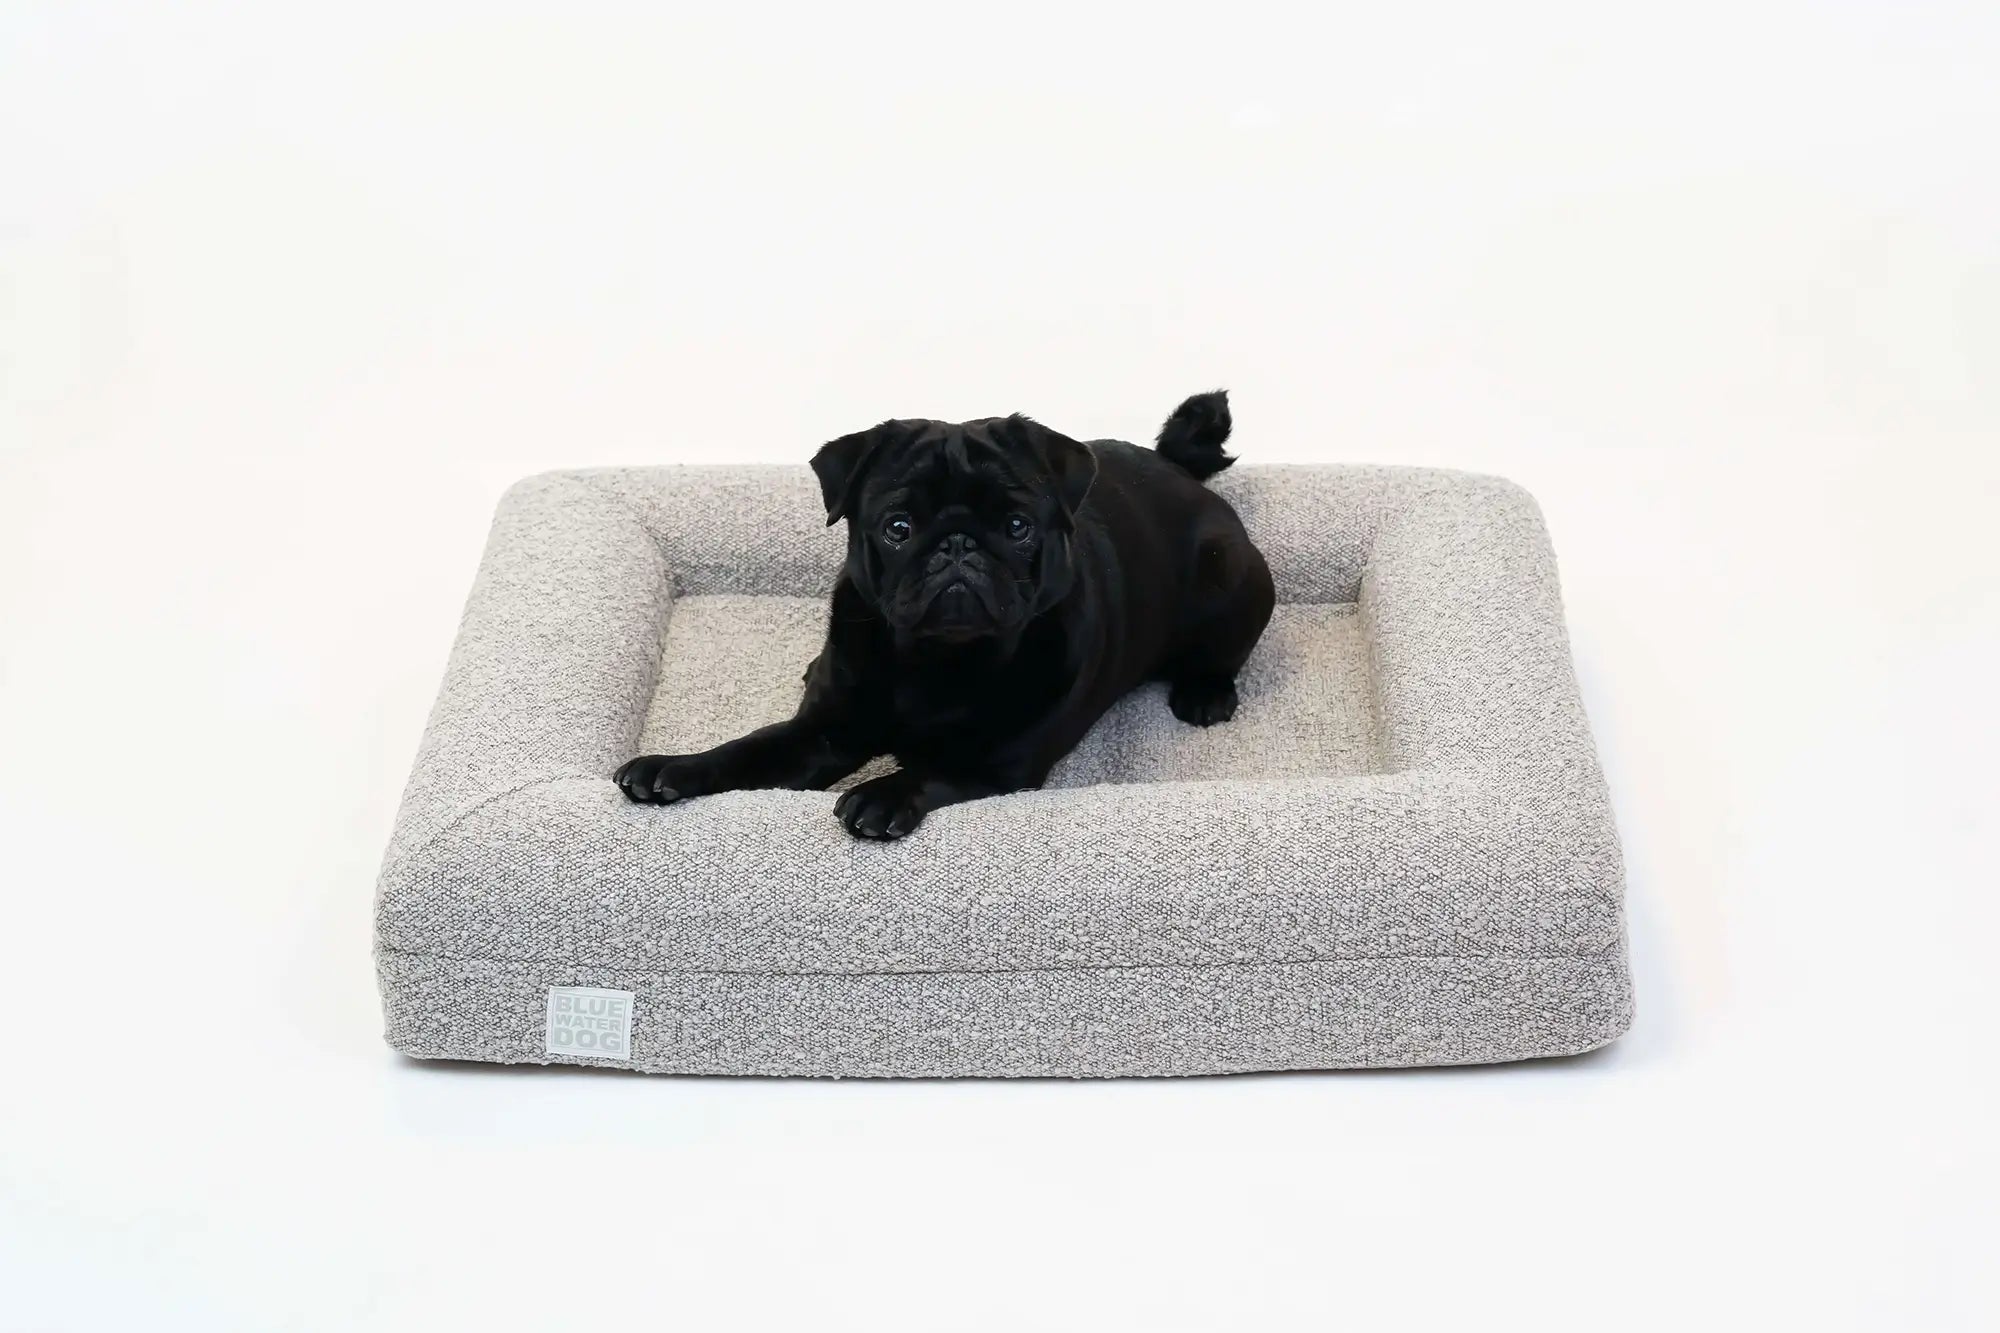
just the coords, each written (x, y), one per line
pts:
(958, 546)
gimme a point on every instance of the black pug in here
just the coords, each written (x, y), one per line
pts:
(1004, 585)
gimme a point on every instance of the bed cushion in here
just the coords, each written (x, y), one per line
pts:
(1399, 852)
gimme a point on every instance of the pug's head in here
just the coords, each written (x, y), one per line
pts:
(957, 533)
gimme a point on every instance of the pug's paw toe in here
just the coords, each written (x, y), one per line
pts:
(661, 779)
(1203, 701)
(882, 808)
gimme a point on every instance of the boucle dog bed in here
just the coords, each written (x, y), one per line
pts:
(1399, 852)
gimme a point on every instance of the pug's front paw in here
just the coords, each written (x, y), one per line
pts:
(883, 808)
(662, 779)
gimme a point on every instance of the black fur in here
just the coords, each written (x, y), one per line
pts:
(1004, 585)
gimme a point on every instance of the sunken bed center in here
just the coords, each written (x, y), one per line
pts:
(734, 662)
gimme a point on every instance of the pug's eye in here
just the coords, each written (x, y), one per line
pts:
(897, 528)
(1018, 527)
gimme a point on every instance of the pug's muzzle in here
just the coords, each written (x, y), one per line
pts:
(954, 594)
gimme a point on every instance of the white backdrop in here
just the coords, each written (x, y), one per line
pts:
(290, 294)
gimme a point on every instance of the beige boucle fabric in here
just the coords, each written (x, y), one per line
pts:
(1399, 852)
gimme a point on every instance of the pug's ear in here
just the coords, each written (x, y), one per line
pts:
(840, 465)
(1069, 463)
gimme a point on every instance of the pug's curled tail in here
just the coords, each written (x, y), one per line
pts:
(1194, 434)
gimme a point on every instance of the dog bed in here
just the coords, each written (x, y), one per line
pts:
(1399, 852)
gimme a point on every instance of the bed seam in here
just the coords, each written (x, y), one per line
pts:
(478, 803)
(435, 956)
(458, 817)
(609, 490)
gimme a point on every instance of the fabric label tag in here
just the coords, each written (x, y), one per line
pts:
(584, 1020)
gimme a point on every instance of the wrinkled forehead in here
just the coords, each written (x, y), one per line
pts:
(948, 461)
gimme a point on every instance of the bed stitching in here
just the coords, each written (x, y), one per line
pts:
(459, 817)
(1608, 953)
(610, 491)
(479, 803)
